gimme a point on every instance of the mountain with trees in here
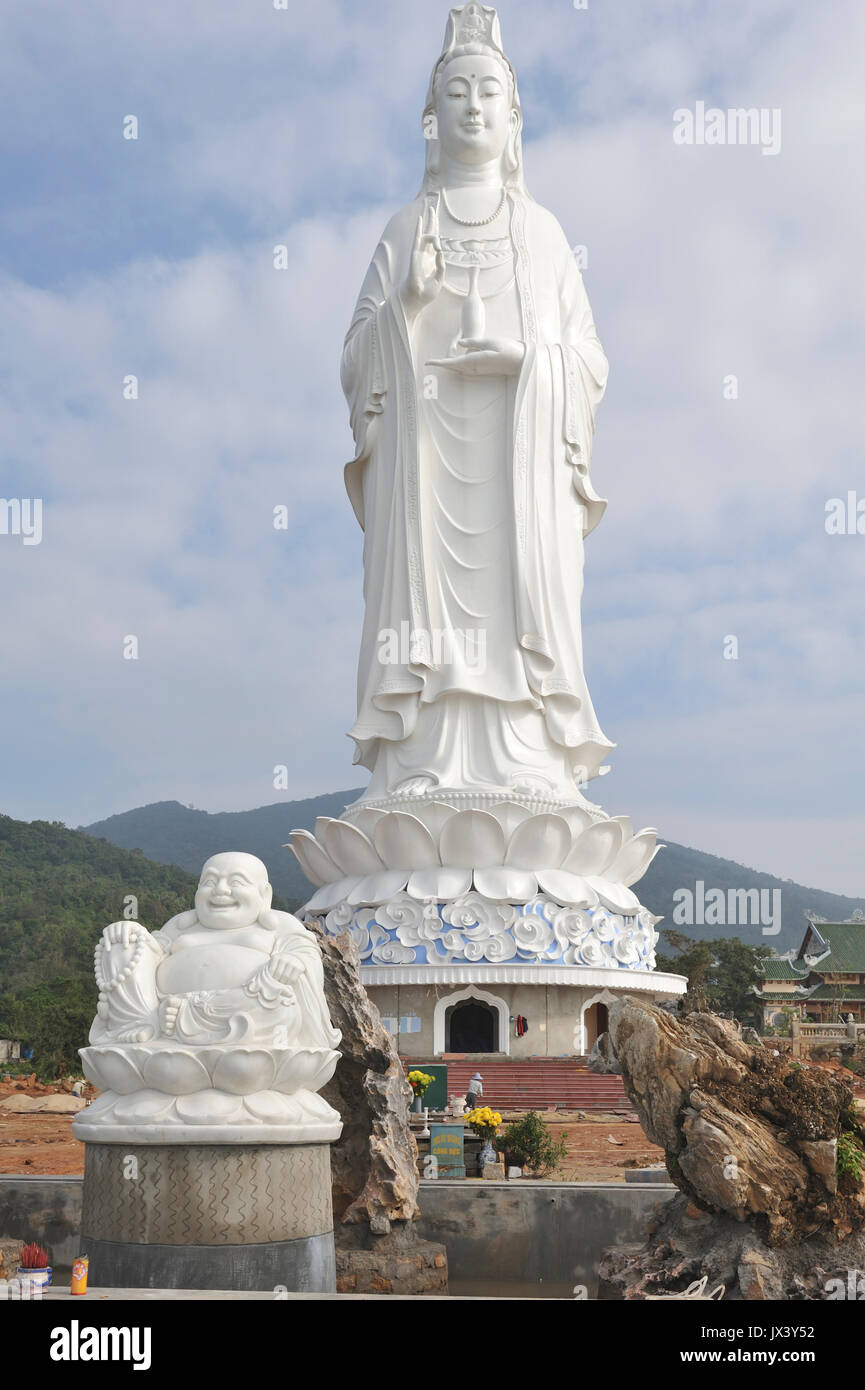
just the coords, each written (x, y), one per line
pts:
(60, 887)
(172, 833)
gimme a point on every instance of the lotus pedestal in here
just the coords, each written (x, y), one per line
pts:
(450, 882)
(526, 897)
(199, 1186)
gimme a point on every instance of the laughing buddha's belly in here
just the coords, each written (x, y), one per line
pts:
(208, 968)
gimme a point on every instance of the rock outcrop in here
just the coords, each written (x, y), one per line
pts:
(10, 1258)
(602, 1059)
(687, 1243)
(752, 1141)
(374, 1163)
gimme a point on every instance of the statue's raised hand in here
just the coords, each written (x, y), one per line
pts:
(426, 268)
(119, 952)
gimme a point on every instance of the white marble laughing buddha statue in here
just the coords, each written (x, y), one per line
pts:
(232, 970)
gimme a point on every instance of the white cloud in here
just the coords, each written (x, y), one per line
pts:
(301, 127)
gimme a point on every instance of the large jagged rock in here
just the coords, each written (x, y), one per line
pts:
(687, 1243)
(751, 1141)
(375, 1162)
(10, 1258)
(602, 1059)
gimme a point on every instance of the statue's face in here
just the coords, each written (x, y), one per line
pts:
(473, 115)
(232, 892)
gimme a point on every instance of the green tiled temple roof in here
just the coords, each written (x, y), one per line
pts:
(854, 994)
(781, 970)
(846, 942)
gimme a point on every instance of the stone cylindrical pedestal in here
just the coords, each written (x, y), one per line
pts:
(209, 1216)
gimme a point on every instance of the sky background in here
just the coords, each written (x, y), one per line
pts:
(260, 127)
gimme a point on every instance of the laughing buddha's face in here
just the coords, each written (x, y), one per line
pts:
(232, 892)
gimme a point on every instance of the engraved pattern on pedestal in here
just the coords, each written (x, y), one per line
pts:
(206, 1194)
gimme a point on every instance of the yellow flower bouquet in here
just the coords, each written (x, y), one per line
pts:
(419, 1081)
(484, 1122)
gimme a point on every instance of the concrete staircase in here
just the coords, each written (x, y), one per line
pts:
(537, 1083)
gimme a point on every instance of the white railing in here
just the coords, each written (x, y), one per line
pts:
(806, 1036)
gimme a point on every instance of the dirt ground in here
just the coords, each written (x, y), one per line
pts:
(39, 1144)
(601, 1148)
(593, 1156)
(45, 1144)
(35, 1142)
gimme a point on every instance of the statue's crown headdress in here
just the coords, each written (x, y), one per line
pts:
(472, 24)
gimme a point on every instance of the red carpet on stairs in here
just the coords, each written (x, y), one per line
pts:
(538, 1083)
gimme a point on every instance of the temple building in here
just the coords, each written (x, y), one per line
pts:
(824, 981)
(521, 1011)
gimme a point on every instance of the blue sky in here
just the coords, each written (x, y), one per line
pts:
(260, 127)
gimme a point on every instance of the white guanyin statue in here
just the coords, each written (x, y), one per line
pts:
(473, 372)
(217, 1021)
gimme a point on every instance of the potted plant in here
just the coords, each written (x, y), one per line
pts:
(528, 1143)
(485, 1123)
(419, 1082)
(34, 1265)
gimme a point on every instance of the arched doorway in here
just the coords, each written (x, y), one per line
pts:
(470, 994)
(471, 1026)
(596, 1022)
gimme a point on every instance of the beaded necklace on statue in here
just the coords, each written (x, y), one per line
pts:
(473, 221)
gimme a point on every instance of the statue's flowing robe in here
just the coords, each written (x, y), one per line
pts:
(561, 381)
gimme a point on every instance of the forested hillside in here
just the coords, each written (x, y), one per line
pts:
(58, 889)
(177, 834)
